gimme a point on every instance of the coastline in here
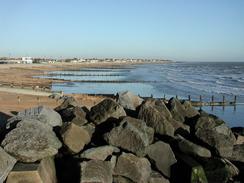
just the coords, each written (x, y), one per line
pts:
(20, 89)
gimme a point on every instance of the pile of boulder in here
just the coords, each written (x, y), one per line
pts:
(122, 140)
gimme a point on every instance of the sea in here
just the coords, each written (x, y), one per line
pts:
(168, 80)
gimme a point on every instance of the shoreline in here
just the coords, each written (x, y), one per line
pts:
(20, 89)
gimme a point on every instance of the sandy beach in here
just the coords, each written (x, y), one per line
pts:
(19, 88)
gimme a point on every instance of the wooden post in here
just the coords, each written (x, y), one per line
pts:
(189, 98)
(235, 98)
(200, 97)
(176, 96)
(212, 100)
(18, 99)
(164, 97)
(223, 100)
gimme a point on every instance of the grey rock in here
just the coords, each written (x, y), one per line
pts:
(238, 153)
(40, 172)
(99, 153)
(215, 133)
(128, 100)
(132, 167)
(75, 137)
(132, 134)
(7, 163)
(68, 102)
(105, 110)
(121, 179)
(162, 155)
(177, 110)
(80, 116)
(157, 116)
(41, 113)
(183, 110)
(219, 170)
(157, 178)
(190, 111)
(190, 148)
(96, 171)
(31, 140)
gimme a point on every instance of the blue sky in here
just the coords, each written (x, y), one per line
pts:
(182, 30)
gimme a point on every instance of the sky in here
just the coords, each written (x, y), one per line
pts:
(180, 30)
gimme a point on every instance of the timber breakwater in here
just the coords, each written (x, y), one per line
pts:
(124, 140)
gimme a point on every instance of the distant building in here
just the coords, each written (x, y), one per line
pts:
(27, 60)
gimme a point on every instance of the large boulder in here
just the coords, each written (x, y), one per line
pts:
(67, 103)
(99, 153)
(44, 114)
(121, 179)
(96, 171)
(128, 100)
(190, 111)
(177, 110)
(157, 116)
(238, 130)
(31, 140)
(40, 172)
(162, 156)
(75, 137)
(238, 153)
(7, 163)
(214, 132)
(219, 170)
(190, 148)
(181, 111)
(106, 109)
(156, 177)
(75, 115)
(131, 134)
(135, 168)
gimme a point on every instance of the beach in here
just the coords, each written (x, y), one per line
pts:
(21, 89)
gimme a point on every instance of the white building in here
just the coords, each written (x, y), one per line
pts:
(27, 60)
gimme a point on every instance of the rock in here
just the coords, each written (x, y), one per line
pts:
(157, 178)
(219, 170)
(132, 167)
(238, 153)
(55, 96)
(75, 137)
(177, 110)
(213, 131)
(96, 171)
(105, 110)
(157, 116)
(75, 115)
(31, 140)
(190, 111)
(121, 179)
(41, 172)
(68, 102)
(80, 116)
(113, 161)
(162, 156)
(99, 153)
(128, 100)
(41, 113)
(90, 128)
(238, 130)
(190, 148)
(187, 170)
(239, 140)
(131, 134)
(7, 163)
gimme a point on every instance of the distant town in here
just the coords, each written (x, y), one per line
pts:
(32, 60)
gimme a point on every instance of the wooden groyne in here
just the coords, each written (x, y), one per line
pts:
(196, 103)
